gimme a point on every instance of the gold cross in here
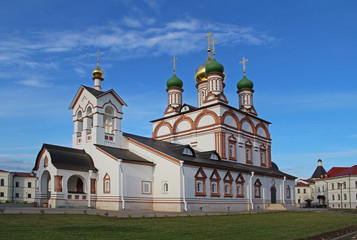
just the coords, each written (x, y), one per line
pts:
(243, 62)
(209, 35)
(98, 58)
(213, 49)
(174, 61)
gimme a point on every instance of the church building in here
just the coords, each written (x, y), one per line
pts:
(209, 157)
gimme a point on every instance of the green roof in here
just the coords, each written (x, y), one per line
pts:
(214, 67)
(174, 81)
(245, 83)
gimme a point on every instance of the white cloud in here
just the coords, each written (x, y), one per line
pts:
(32, 82)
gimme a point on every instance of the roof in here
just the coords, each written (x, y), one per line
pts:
(24, 174)
(3, 170)
(319, 171)
(349, 171)
(95, 93)
(202, 158)
(67, 158)
(123, 154)
(333, 172)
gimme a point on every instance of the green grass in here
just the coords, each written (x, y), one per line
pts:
(285, 225)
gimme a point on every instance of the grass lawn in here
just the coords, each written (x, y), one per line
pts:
(283, 225)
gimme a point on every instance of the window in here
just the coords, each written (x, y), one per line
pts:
(108, 119)
(146, 187)
(200, 183)
(257, 189)
(288, 191)
(332, 186)
(29, 184)
(214, 156)
(345, 196)
(232, 148)
(79, 122)
(355, 184)
(318, 189)
(17, 184)
(344, 185)
(92, 185)
(338, 197)
(298, 191)
(187, 151)
(304, 190)
(2, 182)
(248, 152)
(1, 194)
(214, 179)
(323, 188)
(45, 162)
(29, 195)
(333, 197)
(262, 155)
(165, 188)
(228, 179)
(240, 186)
(106, 181)
(17, 195)
(89, 118)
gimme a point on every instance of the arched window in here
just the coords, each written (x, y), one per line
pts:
(2, 182)
(345, 196)
(215, 178)
(106, 182)
(228, 179)
(79, 121)
(288, 191)
(232, 148)
(338, 197)
(257, 189)
(200, 183)
(240, 186)
(262, 155)
(333, 197)
(248, 152)
(166, 188)
(187, 151)
(89, 118)
(108, 119)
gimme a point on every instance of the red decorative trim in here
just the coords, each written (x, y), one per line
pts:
(158, 126)
(257, 189)
(181, 119)
(204, 113)
(215, 179)
(263, 161)
(58, 183)
(232, 141)
(142, 187)
(200, 177)
(228, 179)
(240, 182)
(233, 115)
(250, 122)
(106, 178)
(92, 185)
(261, 125)
(248, 146)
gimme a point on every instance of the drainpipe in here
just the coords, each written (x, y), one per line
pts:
(121, 183)
(349, 189)
(251, 191)
(89, 190)
(284, 190)
(183, 186)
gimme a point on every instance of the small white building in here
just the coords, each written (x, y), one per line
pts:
(210, 157)
(17, 187)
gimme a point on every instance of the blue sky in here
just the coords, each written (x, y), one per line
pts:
(302, 60)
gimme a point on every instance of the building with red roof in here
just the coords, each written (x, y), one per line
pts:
(17, 186)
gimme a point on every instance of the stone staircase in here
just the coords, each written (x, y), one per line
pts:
(276, 207)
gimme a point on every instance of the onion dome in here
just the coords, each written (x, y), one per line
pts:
(174, 81)
(200, 73)
(97, 72)
(214, 67)
(245, 83)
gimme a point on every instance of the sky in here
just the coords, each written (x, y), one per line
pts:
(302, 58)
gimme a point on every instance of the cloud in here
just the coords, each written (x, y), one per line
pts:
(12, 163)
(33, 83)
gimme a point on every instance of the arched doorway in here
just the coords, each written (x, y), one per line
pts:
(273, 194)
(46, 185)
(75, 184)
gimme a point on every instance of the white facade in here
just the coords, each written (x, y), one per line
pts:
(211, 158)
(17, 187)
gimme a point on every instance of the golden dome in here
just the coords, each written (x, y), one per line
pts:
(98, 72)
(200, 73)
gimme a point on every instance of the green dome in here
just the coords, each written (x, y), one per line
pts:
(174, 81)
(214, 67)
(245, 83)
